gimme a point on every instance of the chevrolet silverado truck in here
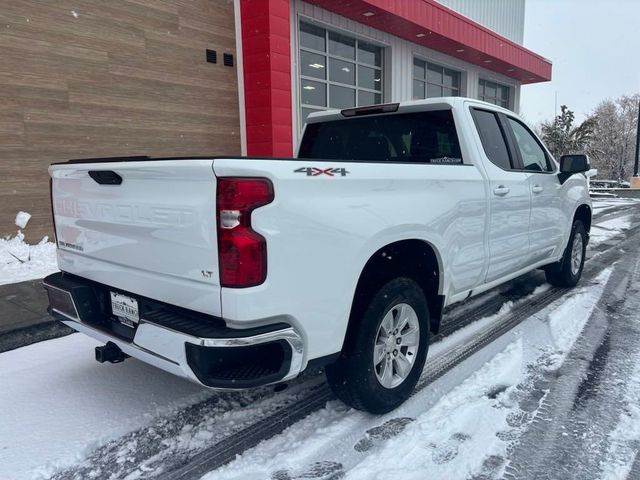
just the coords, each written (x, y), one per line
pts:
(241, 272)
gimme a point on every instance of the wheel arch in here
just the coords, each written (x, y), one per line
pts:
(583, 213)
(416, 259)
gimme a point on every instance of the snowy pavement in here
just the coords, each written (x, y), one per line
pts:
(588, 425)
(464, 432)
(57, 403)
(608, 229)
(573, 364)
(601, 205)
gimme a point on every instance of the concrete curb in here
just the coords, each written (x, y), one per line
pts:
(21, 337)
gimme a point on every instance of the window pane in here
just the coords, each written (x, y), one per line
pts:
(533, 156)
(451, 78)
(342, 45)
(313, 93)
(368, 98)
(312, 36)
(342, 72)
(419, 68)
(341, 97)
(494, 93)
(370, 54)
(481, 90)
(434, 91)
(492, 138)
(490, 90)
(450, 92)
(418, 90)
(424, 137)
(313, 65)
(434, 74)
(338, 82)
(369, 78)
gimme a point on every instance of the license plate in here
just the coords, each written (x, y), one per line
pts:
(125, 308)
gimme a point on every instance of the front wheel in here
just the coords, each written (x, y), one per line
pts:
(568, 271)
(383, 359)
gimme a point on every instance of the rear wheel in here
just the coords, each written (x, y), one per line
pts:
(568, 271)
(383, 359)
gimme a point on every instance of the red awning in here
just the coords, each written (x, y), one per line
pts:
(428, 23)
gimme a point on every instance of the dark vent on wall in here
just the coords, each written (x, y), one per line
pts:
(212, 56)
(228, 60)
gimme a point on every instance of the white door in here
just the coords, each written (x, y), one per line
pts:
(510, 199)
(548, 220)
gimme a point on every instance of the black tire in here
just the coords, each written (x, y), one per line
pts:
(562, 274)
(353, 377)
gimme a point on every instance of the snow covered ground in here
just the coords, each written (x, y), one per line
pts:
(57, 403)
(621, 453)
(464, 432)
(20, 261)
(609, 204)
(603, 231)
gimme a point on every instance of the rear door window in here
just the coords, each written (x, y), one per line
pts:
(492, 138)
(420, 137)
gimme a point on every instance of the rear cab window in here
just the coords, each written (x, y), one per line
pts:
(493, 138)
(419, 137)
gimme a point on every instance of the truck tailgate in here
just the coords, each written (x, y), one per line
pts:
(153, 233)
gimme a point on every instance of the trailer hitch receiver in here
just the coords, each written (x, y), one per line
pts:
(110, 353)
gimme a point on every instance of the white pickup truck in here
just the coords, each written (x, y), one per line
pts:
(239, 272)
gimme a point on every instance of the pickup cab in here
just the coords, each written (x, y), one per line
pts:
(241, 272)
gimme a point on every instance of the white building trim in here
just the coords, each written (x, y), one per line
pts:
(240, 76)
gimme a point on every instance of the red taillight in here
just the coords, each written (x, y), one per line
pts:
(242, 252)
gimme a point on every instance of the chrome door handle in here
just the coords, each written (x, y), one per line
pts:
(537, 189)
(501, 190)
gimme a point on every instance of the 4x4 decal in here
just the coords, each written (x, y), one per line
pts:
(314, 171)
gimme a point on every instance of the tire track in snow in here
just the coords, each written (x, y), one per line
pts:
(569, 437)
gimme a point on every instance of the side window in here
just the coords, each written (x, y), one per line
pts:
(533, 156)
(492, 138)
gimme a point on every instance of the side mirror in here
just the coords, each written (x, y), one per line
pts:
(570, 164)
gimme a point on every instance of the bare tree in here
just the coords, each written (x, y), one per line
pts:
(612, 145)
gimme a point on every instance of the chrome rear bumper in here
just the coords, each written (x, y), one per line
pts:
(235, 359)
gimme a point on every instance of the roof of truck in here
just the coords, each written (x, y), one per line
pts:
(437, 103)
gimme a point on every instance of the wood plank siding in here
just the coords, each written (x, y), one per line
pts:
(92, 78)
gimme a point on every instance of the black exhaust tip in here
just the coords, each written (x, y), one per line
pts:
(110, 353)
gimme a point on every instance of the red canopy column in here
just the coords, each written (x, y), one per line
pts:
(266, 61)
